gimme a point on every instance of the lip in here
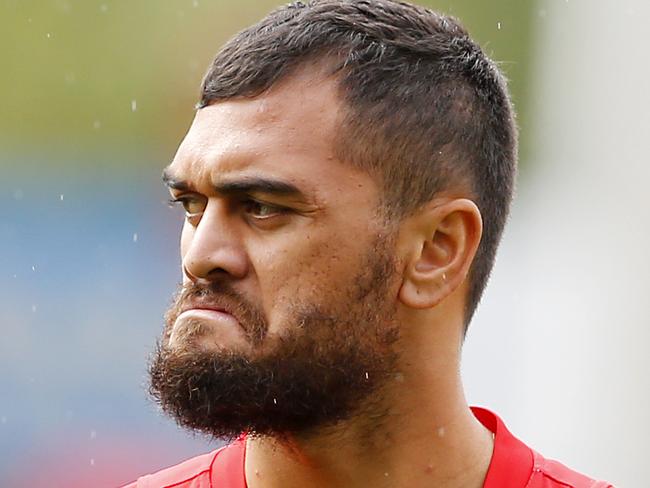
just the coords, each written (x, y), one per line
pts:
(218, 326)
(199, 305)
(208, 312)
(214, 310)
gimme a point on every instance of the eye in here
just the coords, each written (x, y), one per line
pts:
(261, 210)
(191, 204)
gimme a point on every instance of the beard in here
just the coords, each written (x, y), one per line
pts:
(327, 364)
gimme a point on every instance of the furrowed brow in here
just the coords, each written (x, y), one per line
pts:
(245, 185)
(175, 183)
(262, 185)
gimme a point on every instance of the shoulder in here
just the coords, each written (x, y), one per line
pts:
(515, 465)
(548, 473)
(194, 473)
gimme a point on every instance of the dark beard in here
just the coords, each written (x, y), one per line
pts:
(326, 367)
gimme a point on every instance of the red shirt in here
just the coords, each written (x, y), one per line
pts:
(513, 465)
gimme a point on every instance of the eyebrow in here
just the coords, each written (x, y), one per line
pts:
(247, 184)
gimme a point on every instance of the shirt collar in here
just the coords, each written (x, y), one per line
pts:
(512, 460)
(511, 464)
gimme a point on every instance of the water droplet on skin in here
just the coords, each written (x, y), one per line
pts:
(134, 105)
(135, 237)
(441, 432)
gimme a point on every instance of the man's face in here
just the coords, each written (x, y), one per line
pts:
(286, 320)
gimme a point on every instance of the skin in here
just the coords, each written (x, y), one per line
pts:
(429, 437)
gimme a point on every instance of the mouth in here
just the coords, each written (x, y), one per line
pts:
(203, 307)
(197, 305)
(207, 324)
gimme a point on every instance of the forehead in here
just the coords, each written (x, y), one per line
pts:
(288, 131)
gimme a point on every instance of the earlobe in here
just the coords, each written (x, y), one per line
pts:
(445, 237)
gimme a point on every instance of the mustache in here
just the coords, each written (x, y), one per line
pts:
(218, 296)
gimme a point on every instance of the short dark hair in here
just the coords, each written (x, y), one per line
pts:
(426, 109)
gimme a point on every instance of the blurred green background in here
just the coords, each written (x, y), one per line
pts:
(83, 76)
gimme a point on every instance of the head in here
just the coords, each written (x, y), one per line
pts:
(349, 171)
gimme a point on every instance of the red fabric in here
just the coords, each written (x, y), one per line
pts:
(513, 465)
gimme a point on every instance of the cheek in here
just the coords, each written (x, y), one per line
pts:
(303, 274)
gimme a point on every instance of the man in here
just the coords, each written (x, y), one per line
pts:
(345, 181)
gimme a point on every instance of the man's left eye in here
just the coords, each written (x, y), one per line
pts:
(261, 210)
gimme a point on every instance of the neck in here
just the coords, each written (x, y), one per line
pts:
(421, 434)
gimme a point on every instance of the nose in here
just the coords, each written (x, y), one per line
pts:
(212, 249)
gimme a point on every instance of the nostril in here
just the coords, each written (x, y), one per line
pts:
(190, 275)
(209, 277)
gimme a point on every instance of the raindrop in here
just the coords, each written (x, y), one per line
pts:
(275, 402)
(366, 375)
(103, 8)
(48, 35)
(33, 267)
(499, 25)
(33, 308)
(93, 434)
(92, 462)
(97, 124)
(134, 105)
(195, 3)
(135, 237)
(61, 197)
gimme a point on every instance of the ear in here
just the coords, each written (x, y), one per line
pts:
(442, 240)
